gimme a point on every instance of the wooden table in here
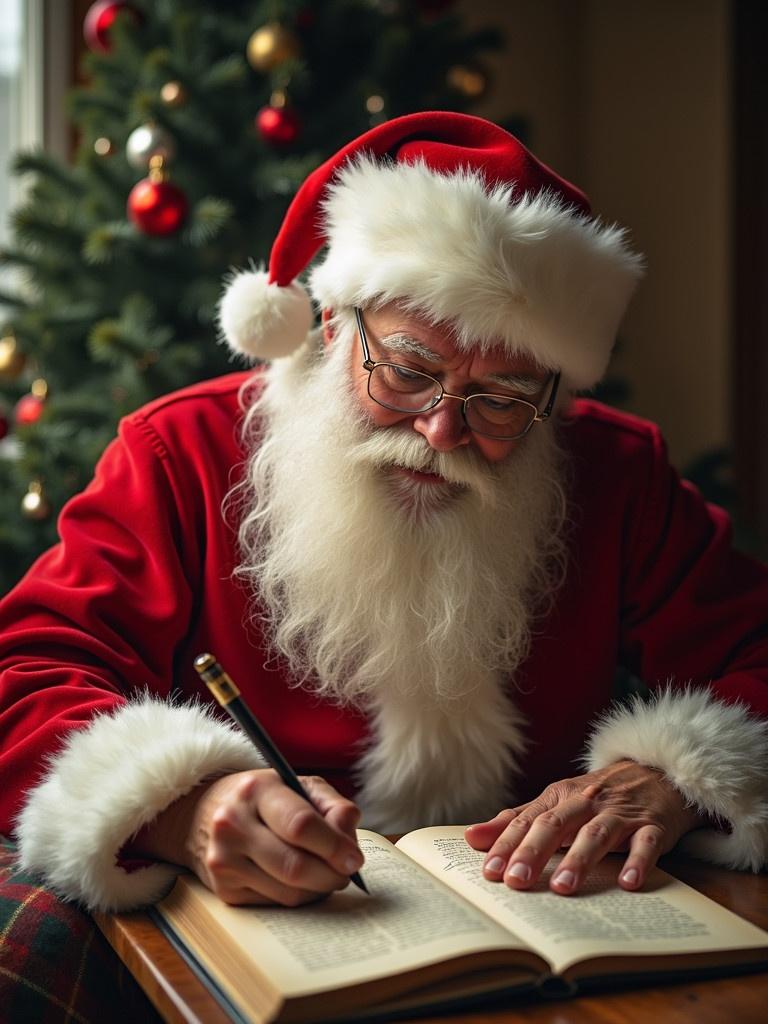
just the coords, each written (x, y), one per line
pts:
(181, 998)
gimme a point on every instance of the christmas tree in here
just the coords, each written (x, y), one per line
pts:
(198, 122)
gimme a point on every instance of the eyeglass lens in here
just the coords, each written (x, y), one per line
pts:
(404, 390)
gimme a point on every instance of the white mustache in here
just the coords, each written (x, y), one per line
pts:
(385, 448)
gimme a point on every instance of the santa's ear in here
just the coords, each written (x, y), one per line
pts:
(328, 330)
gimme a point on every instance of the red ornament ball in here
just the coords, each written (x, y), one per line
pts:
(157, 207)
(29, 409)
(279, 126)
(98, 22)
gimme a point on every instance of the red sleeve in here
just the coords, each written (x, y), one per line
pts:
(694, 610)
(97, 616)
(693, 627)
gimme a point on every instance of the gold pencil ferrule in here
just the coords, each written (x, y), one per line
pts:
(216, 679)
(223, 689)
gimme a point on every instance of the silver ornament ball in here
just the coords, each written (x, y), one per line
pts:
(146, 141)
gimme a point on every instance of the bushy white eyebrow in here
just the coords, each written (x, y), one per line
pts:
(404, 343)
(523, 383)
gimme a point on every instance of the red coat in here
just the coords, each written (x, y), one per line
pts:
(141, 583)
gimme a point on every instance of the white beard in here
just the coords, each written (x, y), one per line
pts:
(413, 601)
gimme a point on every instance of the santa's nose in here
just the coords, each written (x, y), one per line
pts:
(443, 427)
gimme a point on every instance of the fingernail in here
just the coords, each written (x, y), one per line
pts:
(353, 862)
(495, 865)
(520, 871)
(565, 878)
(630, 876)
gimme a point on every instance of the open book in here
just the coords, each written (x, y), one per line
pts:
(434, 932)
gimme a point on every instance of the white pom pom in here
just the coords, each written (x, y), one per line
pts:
(262, 320)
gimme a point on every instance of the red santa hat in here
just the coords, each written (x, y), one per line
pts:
(453, 217)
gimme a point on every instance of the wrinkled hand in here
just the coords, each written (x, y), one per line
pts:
(252, 840)
(626, 806)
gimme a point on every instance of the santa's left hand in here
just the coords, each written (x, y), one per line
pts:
(626, 806)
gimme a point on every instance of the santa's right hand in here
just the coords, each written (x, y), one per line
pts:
(252, 840)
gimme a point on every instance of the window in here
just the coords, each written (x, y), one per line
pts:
(10, 105)
(35, 73)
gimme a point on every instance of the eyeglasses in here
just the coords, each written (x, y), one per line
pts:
(403, 389)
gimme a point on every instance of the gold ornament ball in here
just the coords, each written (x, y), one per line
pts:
(103, 146)
(12, 359)
(173, 94)
(471, 82)
(34, 504)
(270, 46)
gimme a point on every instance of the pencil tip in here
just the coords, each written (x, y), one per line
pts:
(357, 879)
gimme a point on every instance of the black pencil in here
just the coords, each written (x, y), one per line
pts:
(228, 695)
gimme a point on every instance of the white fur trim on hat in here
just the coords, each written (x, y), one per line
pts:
(715, 754)
(262, 320)
(533, 273)
(111, 779)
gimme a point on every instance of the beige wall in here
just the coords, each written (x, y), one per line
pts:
(630, 98)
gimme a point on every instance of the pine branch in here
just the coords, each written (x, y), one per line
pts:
(105, 342)
(13, 301)
(48, 168)
(281, 177)
(86, 106)
(199, 300)
(19, 258)
(186, 37)
(39, 226)
(138, 317)
(108, 242)
(197, 126)
(159, 64)
(208, 218)
(113, 173)
(134, 336)
(79, 316)
(223, 74)
(71, 412)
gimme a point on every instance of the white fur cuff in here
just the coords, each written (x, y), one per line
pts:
(110, 780)
(716, 754)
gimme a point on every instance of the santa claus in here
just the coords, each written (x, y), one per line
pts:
(421, 559)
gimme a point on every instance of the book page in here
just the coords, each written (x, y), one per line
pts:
(667, 917)
(409, 920)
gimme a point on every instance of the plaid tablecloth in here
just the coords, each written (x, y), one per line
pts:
(55, 965)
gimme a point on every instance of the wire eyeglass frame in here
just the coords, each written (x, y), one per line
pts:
(536, 416)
